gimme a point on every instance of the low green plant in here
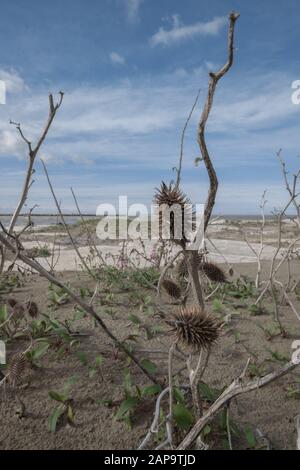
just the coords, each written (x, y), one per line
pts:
(64, 411)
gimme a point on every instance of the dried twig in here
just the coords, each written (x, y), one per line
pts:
(237, 387)
(214, 78)
(32, 153)
(87, 308)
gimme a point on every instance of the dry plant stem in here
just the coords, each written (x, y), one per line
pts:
(86, 226)
(64, 222)
(287, 298)
(32, 153)
(237, 387)
(290, 190)
(191, 262)
(154, 426)
(229, 266)
(87, 308)
(228, 426)
(293, 196)
(261, 247)
(258, 253)
(298, 431)
(169, 423)
(194, 383)
(182, 138)
(2, 259)
(287, 253)
(214, 78)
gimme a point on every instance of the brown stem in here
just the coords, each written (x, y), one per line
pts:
(214, 78)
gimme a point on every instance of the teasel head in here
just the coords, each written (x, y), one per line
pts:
(18, 312)
(182, 268)
(11, 302)
(213, 272)
(16, 368)
(172, 289)
(173, 206)
(32, 309)
(170, 195)
(195, 328)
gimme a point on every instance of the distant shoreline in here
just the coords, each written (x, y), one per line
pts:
(224, 216)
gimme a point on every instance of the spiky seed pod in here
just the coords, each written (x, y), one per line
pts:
(195, 328)
(169, 195)
(213, 272)
(16, 368)
(18, 312)
(11, 302)
(175, 213)
(171, 288)
(182, 268)
(32, 309)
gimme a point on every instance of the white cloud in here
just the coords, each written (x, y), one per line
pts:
(11, 144)
(13, 82)
(140, 122)
(117, 58)
(180, 32)
(133, 7)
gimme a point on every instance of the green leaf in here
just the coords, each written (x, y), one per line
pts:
(57, 396)
(3, 313)
(217, 305)
(127, 382)
(206, 430)
(151, 390)
(70, 414)
(57, 413)
(79, 314)
(178, 395)
(40, 350)
(82, 357)
(126, 406)
(134, 319)
(208, 393)
(250, 437)
(149, 366)
(183, 416)
(98, 361)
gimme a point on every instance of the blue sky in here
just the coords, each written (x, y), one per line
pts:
(130, 70)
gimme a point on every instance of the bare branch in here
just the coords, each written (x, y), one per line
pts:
(32, 153)
(236, 388)
(214, 78)
(183, 136)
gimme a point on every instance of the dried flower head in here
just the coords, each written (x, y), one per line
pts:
(16, 368)
(175, 213)
(18, 312)
(182, 268)
(32, 309)
(172, 289)
(195, 328)
(213, 272)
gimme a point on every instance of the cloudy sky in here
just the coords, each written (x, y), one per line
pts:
(130, 70)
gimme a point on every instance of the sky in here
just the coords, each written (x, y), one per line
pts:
(130, 71)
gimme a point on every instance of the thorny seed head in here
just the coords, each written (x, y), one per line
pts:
(195, 328)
